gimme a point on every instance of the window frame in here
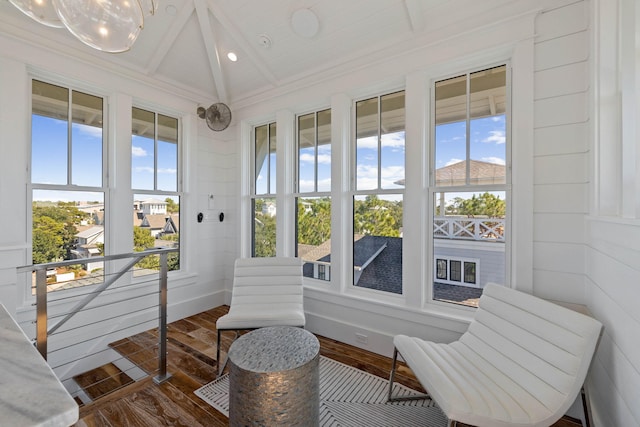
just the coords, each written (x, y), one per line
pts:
(28, 295)
(321, 272)
(354, 192)
(155, 192)
(433, 190)
(271, 193)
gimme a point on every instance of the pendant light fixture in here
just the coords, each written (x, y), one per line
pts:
(39, 10)
(107, 25)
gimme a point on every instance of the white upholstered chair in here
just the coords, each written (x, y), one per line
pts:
(522, 362)
(266, 292)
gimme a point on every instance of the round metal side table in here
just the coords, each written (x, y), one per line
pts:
(274, 378)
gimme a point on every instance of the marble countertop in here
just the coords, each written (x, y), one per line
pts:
(274, 349)
(30, 393)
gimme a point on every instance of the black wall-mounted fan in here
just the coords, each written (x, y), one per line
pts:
(217, 116)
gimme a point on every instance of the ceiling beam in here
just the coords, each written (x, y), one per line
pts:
(169, 38)
(247, 47)
(416, 18)
(202, 12)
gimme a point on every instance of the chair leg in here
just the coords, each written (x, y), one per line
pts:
(220, 370)
(392, 375)
(218, 355)
(586, 405)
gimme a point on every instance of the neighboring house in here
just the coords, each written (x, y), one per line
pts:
(152, 207)
(98, 217)
(87, 245)
(172, 224)
(137, 218)
(155, 223)
(269, 209)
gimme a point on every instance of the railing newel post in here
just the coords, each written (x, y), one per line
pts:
(162, 328)
(41, 312)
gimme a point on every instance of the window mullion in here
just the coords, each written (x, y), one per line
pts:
(69, 141)
(155, 151)
(379, 119)
(468, 130)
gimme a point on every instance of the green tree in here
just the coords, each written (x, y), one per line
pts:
(264, 235)
(48, 244)
(377, 217)
(54, 230)
(486, 204)
(314, 221)
(172, 207)
(143, 240)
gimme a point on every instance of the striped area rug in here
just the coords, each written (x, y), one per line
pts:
(349, 397)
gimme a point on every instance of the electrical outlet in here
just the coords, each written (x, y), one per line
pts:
(362, 338)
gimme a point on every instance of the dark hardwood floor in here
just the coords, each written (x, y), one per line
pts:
(191, 361)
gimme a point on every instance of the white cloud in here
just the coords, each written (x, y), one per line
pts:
(169, 171)
(395, 140)
(496, 136)
(307, 158)
(495, 160)
(146, 169)
(306, 185)
(453, 161)
(138, 151)
(324, 159)
(368, 142)
(91, 131)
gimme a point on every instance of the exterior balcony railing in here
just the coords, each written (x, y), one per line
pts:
(464, 228)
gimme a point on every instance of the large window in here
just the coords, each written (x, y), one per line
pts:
(378, 195)
(469, 183)
(67, 175)
(263, 242)
(313, 207)
(154, 178)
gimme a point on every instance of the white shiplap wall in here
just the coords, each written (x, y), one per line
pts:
(612, 269)
(561, 151)
(577, 256)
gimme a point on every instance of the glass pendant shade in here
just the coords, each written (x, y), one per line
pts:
(39, 10)
(106, 25)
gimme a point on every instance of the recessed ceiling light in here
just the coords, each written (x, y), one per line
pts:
(232, 56)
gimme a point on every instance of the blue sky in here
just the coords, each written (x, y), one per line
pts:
(487, 141)
(49, 160)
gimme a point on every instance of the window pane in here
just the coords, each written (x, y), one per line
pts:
(314, 152)
(68, 225)
(469, 230)
(49, 134)
(367, 144)
(265, 159)
(314, 236)
(86, 137)
(451, 131)
(167, 153)
(455, 274)
(143, 150)
(272, 158)
(264, 227)
(377, 242)
(441, 269)
(307, 153)
(156, 224)
(470, 272)
(392, 124)
(323, 139)
(488, 126)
